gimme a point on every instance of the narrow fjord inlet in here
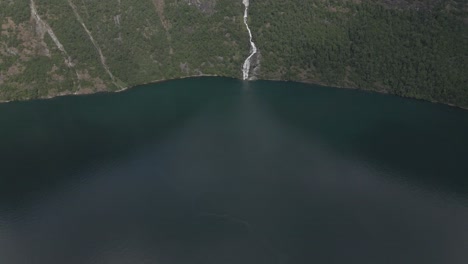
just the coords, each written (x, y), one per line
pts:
(205, 171)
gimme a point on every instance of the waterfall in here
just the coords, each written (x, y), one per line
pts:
(253, 49)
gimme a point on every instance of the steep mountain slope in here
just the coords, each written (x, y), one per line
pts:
(406, 47)
(108, 45)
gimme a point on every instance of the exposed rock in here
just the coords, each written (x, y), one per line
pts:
(15, 69)
(184, 67)
(205, 6)
(411, 4)
(255, 65)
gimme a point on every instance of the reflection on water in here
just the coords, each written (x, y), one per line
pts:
(211, 171)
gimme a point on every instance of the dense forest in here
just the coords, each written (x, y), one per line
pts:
(410, 48)
(403, 48)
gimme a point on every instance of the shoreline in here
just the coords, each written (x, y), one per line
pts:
(167, 80)
(366, 90)
(109, 91)
(312, 82)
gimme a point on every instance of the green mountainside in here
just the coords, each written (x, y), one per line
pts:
(410, 48)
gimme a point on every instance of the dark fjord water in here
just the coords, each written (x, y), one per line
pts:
(214, 170)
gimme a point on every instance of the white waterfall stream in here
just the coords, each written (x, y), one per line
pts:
(253, 49)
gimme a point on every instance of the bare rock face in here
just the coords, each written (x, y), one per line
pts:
(255, 65)
(184, 67)
(411, 4)
(205, 6)
(31, 36)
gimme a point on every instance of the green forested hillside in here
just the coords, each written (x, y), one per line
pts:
(406, 48)
(140, 41)
(410, 48)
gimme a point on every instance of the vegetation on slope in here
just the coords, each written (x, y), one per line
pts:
(402, 48)
(141, 41)
(410, 48)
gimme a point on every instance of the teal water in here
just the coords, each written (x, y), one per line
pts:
(214, 170)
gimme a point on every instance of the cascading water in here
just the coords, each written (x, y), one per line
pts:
(253, 49)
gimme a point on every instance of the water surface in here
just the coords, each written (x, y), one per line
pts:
(214, 170)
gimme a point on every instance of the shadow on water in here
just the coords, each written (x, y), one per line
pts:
(46, 142)
(214, 170)
(143, 208)
(426, 143)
